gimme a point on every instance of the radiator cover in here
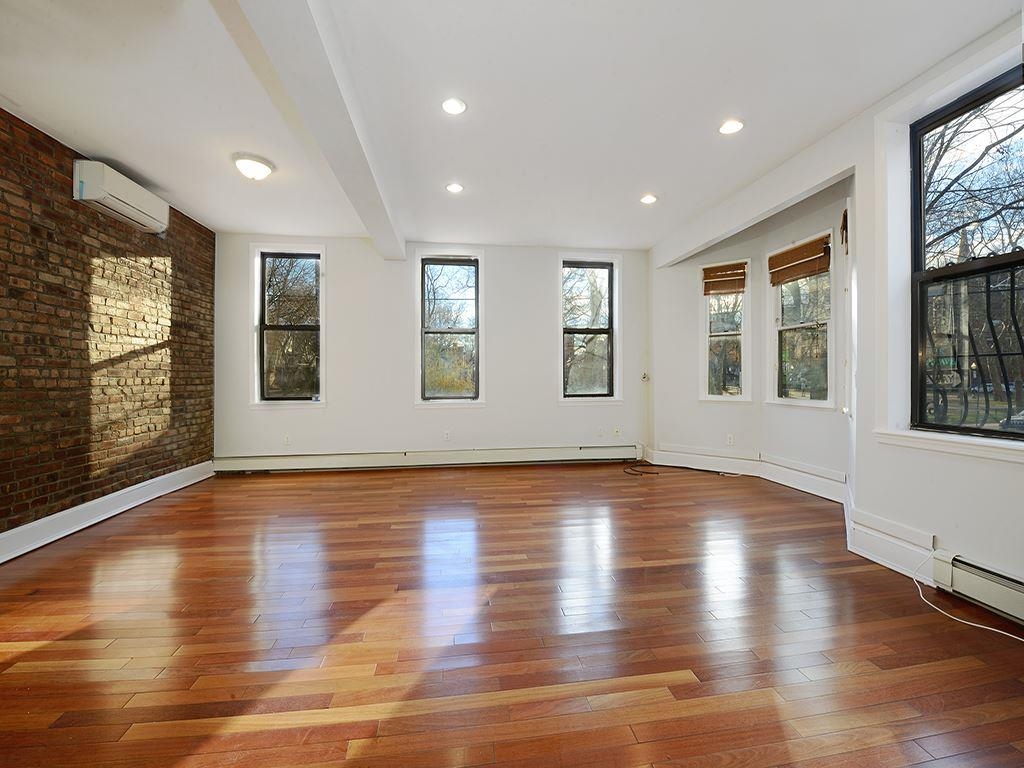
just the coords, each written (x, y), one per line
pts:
(999, 592)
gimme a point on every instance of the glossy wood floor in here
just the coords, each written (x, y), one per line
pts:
(506, 616)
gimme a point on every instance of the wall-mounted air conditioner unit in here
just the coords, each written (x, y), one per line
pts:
(101, 187)
(981, 585)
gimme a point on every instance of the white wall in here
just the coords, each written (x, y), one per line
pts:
(906, 488)
(795, 435)
(370, 377)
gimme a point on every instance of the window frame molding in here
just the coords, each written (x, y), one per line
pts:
(746, 393)
(774, 326)
(256, 252)
(454, 253)
(920, 277)
(614, 260)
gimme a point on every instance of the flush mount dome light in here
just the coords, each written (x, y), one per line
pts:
(453, 106)
(454, 187)
(731, 126)
(649, 199)
(252, 166)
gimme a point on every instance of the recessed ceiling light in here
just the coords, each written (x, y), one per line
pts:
(253, 167)
(453, 106)
(454, 187)
(649, 199)
(731, 126)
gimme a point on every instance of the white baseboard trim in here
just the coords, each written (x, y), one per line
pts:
(886, 542)
(25, 538)
(426, 458)
(707, 462)
(806, 469)
(818, 481)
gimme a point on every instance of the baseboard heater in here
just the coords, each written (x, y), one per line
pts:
(996, 591)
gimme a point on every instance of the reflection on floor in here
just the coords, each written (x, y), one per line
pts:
(503, 616)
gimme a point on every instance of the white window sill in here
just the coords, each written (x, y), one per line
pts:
(590, 400)
(449, 404)
(992, 448)
(724, 399)
(821, 405)
(287, 405)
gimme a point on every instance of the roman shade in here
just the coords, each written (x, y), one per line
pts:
(725, 278)
(811, 258)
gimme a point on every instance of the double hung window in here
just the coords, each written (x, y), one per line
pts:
(802, 284)
(588, 324)
(968, 263)
(450, 329)
(724, 294)
(289, 326)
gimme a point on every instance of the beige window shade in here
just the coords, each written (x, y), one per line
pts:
(725, 278)
(811, 258)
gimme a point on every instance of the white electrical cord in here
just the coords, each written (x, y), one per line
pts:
(945, 613)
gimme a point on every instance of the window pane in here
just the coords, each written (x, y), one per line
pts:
(725, 313)
(292, 291)
(585, 297)
(803, 363)
(291, 364)
(973, 182)
(973, 367)
(449, 296)
(585, 361)
(449, 365)
(807, 300)
(724, 366)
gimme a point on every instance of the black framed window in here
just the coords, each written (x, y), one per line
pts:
(968, 270)
(289, 326)
(588, 323)
(450, 329)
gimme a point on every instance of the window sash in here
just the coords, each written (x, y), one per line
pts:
(608, 331)
(265, 327)
(922, 281)
(724, 394)
(779, 372)
(473, 330)
(1006, 82)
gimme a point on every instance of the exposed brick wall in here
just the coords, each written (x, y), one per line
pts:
(106, 339)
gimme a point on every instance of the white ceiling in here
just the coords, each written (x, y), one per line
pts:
(576, 107)
(159, 89)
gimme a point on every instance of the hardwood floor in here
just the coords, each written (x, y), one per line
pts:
(500, 616)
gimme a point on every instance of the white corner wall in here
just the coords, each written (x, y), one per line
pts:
(908, 491)
(370, 377)
(808, 443)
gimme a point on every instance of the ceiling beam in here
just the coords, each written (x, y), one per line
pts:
(292, 47)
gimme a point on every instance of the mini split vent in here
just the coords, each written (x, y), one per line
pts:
(101, 187)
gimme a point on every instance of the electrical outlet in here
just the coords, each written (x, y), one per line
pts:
(617, 431)
(447, 435)
(730, 439)
(287, 439)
